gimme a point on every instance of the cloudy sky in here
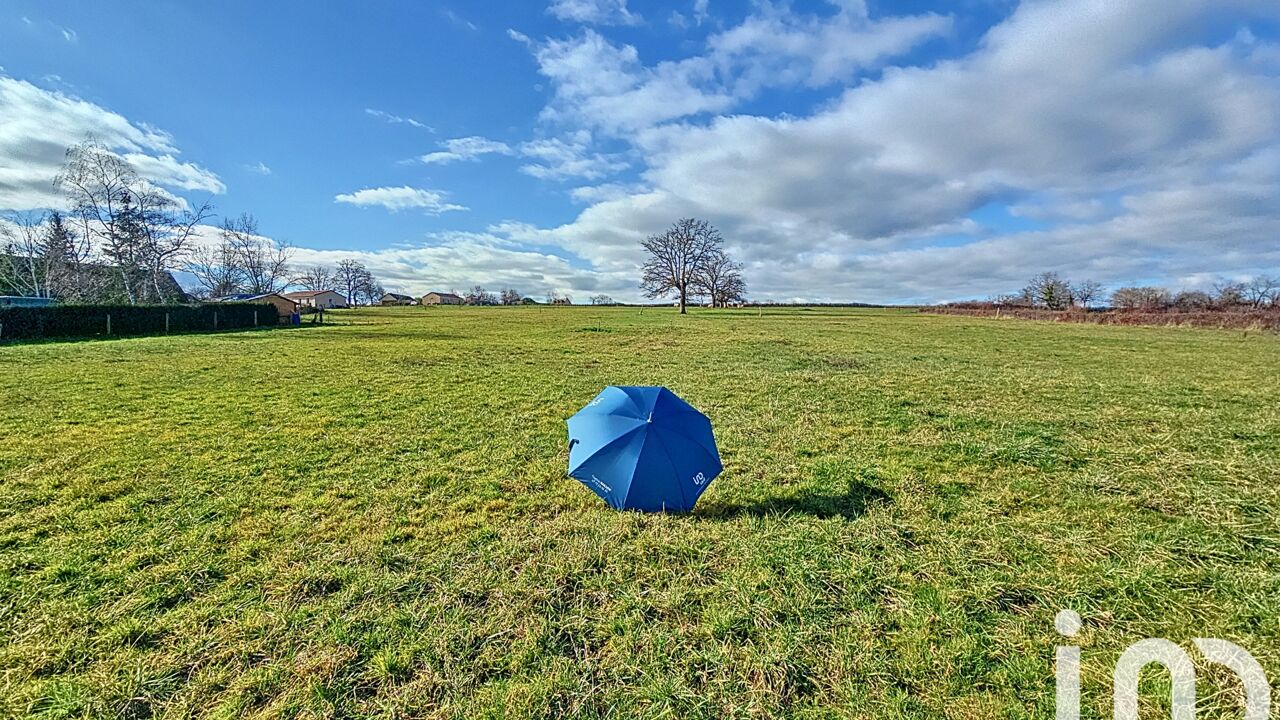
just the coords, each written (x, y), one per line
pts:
(848, 150)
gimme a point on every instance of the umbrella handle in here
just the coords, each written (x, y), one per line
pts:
(572, 442)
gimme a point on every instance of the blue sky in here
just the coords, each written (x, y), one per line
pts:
(892, 152)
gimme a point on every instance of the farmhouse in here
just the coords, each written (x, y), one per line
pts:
(396, 299)
(439, 298)
(284, 306)
(318, 299)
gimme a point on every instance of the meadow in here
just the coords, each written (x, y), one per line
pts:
(371, 518)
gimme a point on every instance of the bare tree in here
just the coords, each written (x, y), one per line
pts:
(369, 290)
(733, 290)
(602, 299)
(317, 277)
(1049, 291)
(217, 268)
(170, 233)
(28, 265)
(1227, 294)
(1262, 291)
(98, 185)
(510, 296)
(1192, 300)
(720, 279)
(1086, 293)
(263, 263)
(351, 276)
(676, 258)
(143, 231)
(477, 295)
(1140, 298)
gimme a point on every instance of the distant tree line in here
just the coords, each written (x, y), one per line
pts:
(1048, 291)
(689, 261)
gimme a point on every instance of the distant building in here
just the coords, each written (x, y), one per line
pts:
(439, 298)
(284, 306)
(396, 299)
(318, 299)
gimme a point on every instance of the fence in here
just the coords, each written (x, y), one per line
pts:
(61, 321)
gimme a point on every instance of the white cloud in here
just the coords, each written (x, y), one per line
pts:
(606, 86)
(457, 261)
(400, 198)
(594, 12)
(1155, 157)
(602, 85)
(465, 148)
(37, 126)
(259, 168)
(570, 157)
(606, 191)
(457, 19)
(397, 119)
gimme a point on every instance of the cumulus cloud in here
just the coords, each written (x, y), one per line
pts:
(595, 12)
(37, 126)
(465, 148)
(569, 157)
(606, 86)
(1153, 155)
(395, 199)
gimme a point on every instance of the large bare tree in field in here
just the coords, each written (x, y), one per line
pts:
(676, 258)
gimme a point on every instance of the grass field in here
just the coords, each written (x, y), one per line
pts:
(372, 518)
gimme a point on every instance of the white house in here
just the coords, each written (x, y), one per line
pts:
(318, 299)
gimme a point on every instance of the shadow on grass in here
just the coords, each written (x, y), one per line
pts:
(849, 505)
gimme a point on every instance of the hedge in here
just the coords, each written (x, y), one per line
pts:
(23, 323)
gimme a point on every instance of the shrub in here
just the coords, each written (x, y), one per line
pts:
(91, 320)
(1188, 300)
(1140, 298)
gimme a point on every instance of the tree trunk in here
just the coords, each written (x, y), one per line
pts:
(683, 299)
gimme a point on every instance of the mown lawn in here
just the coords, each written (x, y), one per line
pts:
(372, 518)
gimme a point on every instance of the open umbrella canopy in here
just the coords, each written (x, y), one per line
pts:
(643, 448)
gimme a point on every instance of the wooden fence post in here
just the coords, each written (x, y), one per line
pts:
(255, 318)
(108, 323)
(215, 319)
(166, 323)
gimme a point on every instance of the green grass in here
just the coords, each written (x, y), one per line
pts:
(372, 518)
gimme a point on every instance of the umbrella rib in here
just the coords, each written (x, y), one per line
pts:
(675, 471)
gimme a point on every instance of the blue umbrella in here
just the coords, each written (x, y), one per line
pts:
(643, 448)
